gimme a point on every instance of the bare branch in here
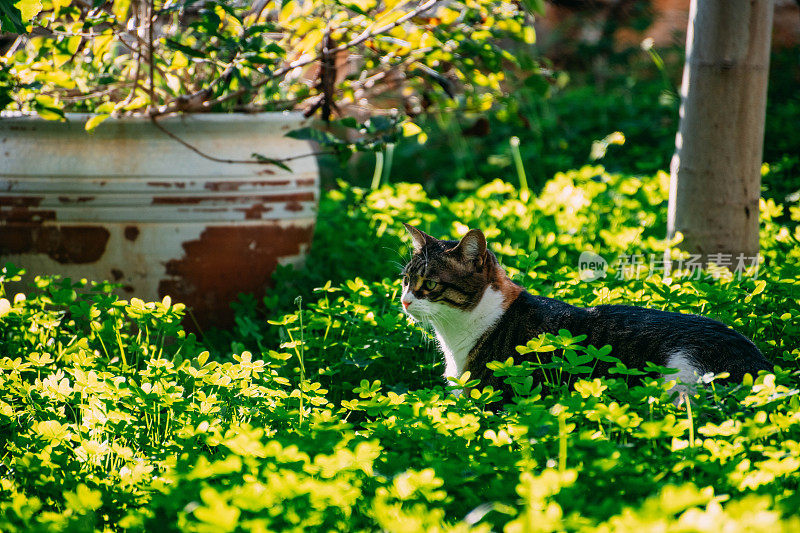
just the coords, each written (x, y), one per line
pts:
(151, 23)
(204, 155)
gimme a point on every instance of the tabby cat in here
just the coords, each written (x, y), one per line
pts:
(480, 315)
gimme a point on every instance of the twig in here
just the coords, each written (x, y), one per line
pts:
(118, 32)
(86, 34)
(85, 96)
(13, 48)
(204, 155)
(327, 81)
(367, 83)
(150, 24)
(136, 75)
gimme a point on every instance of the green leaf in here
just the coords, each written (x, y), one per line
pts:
(760, 286)
(11, 18)
(579, 369)
(410, 129)
(84, 499)
(188, 50)
(353, 7)
(534, 6)
(95, 120)
(537, 83)
(5, 98)
(312, 134)
(229, 10)
(379, 124)
(258, 59)
(29, 8)
(349, 122)
(49, 113)
(267, 160)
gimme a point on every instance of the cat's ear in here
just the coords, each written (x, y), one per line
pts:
(418, 238)
(471, 247)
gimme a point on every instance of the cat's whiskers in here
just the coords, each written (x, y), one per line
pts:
(444, 321)
(399, 266)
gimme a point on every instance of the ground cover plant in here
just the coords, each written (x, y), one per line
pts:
(324, 409)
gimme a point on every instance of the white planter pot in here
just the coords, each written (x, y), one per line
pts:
(129, 204)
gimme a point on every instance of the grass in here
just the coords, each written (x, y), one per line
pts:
(330, 412)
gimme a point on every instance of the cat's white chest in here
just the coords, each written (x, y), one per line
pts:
(458, 331)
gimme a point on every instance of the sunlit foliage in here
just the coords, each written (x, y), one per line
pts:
(331, 413)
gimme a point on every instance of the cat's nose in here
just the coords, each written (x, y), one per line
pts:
(405, 304)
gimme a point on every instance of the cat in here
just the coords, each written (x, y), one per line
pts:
(479, 315)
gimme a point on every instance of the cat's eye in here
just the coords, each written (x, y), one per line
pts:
(430, 285)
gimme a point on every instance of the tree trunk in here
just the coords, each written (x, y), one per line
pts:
(716, 170)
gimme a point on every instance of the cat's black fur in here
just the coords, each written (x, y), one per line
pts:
(637, 335)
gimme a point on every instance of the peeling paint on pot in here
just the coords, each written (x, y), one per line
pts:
(129, 204)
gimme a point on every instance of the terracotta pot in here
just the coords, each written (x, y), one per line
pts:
(132, 205)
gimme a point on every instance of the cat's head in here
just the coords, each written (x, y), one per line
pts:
(445, 275)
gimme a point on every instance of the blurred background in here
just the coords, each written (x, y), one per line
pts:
(610, 66)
